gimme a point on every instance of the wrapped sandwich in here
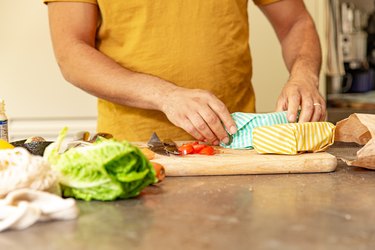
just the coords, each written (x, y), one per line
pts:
(293, 138)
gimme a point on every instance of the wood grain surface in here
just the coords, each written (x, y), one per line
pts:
(238, 162)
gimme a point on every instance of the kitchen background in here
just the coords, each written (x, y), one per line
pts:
(350, 65)
(40, 102)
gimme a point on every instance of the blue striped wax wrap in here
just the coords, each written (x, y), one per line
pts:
(246, 122)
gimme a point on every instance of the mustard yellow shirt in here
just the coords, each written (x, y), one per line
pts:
(191, 43)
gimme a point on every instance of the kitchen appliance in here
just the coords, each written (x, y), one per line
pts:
(371, 40)
(352, 37)
(359, 81)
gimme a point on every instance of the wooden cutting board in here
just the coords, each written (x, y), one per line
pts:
(237, 162)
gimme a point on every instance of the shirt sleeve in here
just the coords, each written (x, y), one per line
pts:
(78, 1)
(264, 2)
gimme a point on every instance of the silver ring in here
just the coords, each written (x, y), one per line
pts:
(317, 104)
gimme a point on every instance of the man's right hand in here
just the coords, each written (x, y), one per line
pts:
(200, 113)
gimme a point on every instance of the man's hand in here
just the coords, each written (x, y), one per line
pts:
(73, 29)
(301, 50)
(299, 94)
(199, 113)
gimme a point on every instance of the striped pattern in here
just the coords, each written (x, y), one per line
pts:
(246, 122)
(293, 138)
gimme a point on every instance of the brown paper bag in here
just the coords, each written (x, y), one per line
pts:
(359, 128)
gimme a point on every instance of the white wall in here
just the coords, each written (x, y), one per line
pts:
(30, 81)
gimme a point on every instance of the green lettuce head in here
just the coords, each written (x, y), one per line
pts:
(106, 170)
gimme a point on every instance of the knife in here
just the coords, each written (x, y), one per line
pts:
(165, 147)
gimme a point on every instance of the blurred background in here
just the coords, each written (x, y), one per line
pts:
(350, 58)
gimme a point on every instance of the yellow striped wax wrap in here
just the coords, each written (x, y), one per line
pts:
(293, 138)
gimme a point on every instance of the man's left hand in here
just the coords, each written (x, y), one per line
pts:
(298, 94)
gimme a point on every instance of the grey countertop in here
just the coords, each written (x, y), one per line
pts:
(286, 211)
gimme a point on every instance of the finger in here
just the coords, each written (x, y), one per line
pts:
(317, 112)
(213, 121)
(191, 129)
(281, 105)
(203, 128)
(307, 110)
(323, 116)
(293, 106)
(222, 112)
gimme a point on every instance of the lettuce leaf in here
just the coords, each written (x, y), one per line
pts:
(106, 170)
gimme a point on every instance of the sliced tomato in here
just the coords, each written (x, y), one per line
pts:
(198, 147)
(207, 150)
(186, 149)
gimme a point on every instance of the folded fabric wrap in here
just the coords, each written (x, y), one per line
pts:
(293, 138)
(246, 122)
(23, 207)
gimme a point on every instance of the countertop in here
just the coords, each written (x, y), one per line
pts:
(338, 114)
(282, 211)
(340, 106)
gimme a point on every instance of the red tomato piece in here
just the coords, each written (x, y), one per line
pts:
(198, 147)
(207, 150)
(186, 149)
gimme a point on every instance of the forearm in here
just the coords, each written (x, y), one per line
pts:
(74, 30)
(99, 75)
(302, 52)
(302, 55)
